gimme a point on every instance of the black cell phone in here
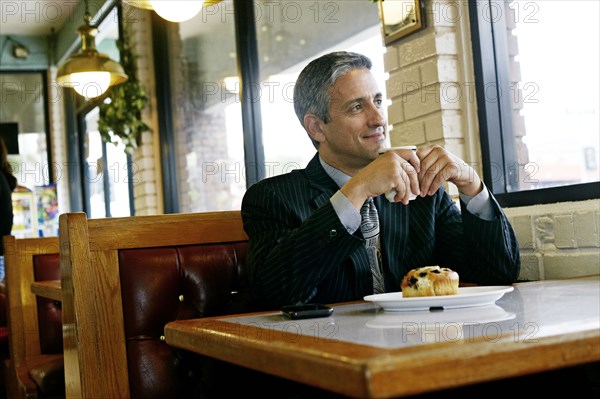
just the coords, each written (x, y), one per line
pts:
(307, 311)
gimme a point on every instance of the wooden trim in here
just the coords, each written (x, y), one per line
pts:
(158, 230)
(47, 289)
(24, 340)
(72, 378)
(364, 371)
(88, 340)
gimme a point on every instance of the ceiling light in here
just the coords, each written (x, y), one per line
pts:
(232, 84)
(89, 72)
(177, 11)
(20, 51)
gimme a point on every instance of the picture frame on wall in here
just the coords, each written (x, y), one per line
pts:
(400, 18)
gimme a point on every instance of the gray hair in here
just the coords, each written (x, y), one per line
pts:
(311, 92)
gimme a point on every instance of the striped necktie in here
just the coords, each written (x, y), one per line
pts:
(369, 227)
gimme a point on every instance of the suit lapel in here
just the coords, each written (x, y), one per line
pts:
(320, 181)
(325, 187)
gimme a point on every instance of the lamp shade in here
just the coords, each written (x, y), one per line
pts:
(89, 72)
(177, 11)
(143, 4)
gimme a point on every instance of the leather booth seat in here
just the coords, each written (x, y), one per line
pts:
(3, 327)
(159, 285)
(49, 375)
(47, 267)
(3, 344)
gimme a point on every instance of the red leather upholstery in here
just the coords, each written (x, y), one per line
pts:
(3, 310)
(3, 327)
(49, 376)
(159, 285)
(47, 267)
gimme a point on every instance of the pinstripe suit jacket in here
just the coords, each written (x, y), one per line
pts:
(300, 251)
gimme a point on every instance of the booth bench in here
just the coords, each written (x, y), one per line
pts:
(123, 279)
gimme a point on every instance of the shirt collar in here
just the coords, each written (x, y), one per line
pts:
(339, 177)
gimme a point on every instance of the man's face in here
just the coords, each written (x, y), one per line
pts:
(357, 129)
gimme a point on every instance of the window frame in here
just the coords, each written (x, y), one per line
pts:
(490, 61)
(249, 73)
(164, 109)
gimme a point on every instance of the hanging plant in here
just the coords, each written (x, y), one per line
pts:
(121, 113)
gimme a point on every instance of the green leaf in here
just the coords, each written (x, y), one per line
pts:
(122, 117)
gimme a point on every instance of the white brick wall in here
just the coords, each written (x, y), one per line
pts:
(146, 158)
(59, 145)
(558, 240)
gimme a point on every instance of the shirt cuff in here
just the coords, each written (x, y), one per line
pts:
(348, 215)
(480, 205)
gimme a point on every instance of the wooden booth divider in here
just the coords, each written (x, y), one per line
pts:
(34, 368)
(123, 279)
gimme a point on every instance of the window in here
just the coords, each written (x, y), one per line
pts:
(538, 100)
(221, 142)
(24, 128)
(289, 36)
(24, 107)
(206, 114)
(106, 172)
(102, 175)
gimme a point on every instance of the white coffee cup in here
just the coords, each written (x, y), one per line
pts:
(392, 193)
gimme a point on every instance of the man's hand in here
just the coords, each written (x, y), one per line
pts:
(439, 165)
(394, 170)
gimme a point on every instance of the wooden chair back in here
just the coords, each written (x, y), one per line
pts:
(27, 351)
(96, 362)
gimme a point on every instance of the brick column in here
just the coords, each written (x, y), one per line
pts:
(146, 158)
(58, 150)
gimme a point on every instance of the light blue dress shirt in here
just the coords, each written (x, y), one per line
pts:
(479, 205)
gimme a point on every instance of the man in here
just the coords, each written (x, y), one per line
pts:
(306, 243)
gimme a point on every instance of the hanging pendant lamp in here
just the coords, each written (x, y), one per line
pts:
(143, 4)
(177, 11)
(89, 72)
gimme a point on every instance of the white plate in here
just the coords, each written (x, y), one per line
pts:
(477, 315)
(466, 297)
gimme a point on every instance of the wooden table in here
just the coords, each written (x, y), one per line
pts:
(47, 289)
(362, 351)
